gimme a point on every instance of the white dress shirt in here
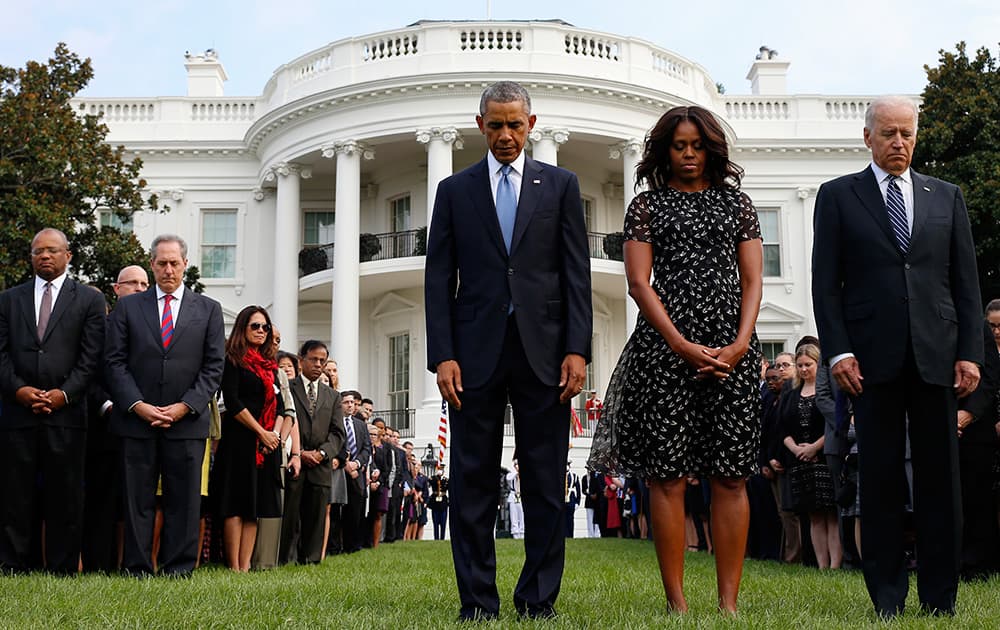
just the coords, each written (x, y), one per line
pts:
(175, 306)
(516, 173)
(40, 290)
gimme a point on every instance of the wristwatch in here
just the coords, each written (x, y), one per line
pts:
(322, 453)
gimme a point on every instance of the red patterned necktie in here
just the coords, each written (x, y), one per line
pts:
(167, 323)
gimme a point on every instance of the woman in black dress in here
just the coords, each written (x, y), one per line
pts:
(685, 396)
(246, 477)
(803, 434)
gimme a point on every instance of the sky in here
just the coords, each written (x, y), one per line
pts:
(840, 47)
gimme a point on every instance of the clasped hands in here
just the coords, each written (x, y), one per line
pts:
(711, 362)
(39, 400)
(162, 417)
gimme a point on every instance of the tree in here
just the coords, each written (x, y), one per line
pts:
(57, 171)
(959, 142)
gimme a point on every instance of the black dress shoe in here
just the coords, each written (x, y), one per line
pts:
(537, 612)
(935, 611)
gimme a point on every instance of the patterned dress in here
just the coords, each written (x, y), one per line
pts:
(659, 421)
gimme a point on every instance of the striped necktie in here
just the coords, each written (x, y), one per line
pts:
(167, 323)
(352, 442)
(896, 209)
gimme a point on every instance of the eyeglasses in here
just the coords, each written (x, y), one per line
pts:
(994, 326)
(255, 326)
(773, 378)
(52, 251)
(783, 366)
(142, 284)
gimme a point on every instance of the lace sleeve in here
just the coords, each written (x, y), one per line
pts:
(637, 219)
(748, 221)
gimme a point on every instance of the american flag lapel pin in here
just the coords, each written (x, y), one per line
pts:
(536, 181)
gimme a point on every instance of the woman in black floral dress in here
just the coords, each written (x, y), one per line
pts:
(685, 396)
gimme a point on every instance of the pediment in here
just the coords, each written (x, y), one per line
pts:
(393, 304)
(774, 314)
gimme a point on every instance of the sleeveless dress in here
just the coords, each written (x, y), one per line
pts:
(659, 421)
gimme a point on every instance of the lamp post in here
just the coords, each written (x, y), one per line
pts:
(429, 461)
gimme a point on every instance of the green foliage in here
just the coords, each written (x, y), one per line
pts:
(614, 246)
(420, 248)
(312, 259)
(57, 171)
(192, 279)
(369, 247)
(608, 584)
(959, 141)
(110, 251)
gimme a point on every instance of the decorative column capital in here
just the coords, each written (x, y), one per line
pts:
(557, 135)
(618, 151)
(175, 194)
(804, 192)
(448, 135)
(259, 193)
(347, 147)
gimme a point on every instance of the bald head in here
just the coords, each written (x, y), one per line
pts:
(131, 279)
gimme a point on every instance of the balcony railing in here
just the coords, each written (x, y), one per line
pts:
(588, 427)
(606, 246)
(399, 419)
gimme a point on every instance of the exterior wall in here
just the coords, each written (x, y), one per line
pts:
(599, 91)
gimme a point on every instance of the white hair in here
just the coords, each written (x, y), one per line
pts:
(889, 101)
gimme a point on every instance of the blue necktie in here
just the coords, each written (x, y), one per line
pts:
(897, 214)
(352, 442)
(506, 205)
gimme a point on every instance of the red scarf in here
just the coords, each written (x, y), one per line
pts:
(264, 370)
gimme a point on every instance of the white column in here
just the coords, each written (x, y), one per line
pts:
(439, 142)
(545, 144)
(346, 296)
(808, 196)
(287, 229)
(630, 152)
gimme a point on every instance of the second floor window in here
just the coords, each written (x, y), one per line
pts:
(218, 244)
(318, 228)
(770, 235)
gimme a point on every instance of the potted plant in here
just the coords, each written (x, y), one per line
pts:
(614, 244)
(370, 247)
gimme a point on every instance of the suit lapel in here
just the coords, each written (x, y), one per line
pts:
(867, 190)
(482, 200)
(299, 394)
(151, 314)
(187, 310)
(531, 192)
(922, 190)
(66, 295)
(28, 308)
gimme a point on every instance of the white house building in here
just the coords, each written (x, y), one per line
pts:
(312, 198)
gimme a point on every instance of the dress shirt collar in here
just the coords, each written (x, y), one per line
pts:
(57, 283)
(306, 382)
(177, 295)
(495, 165)
(881, 174)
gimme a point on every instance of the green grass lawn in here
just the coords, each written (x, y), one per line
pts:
(608, 584)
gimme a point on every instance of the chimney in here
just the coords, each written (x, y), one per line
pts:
(205, 73)
(768, 74)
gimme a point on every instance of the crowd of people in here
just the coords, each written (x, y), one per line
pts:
(698, 444)
(187, 446)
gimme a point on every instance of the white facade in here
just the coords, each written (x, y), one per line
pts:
(366, 128)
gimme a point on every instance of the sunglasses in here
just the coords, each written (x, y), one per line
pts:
(255, 326)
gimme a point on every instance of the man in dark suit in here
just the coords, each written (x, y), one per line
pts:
(51, 338)
(354, 458)
(163, 363)
(509, 316)
(317, 409)
(897, 305)
(400, 478)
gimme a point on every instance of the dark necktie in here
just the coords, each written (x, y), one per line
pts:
(896, 209)
(167, 322)
(506, 205)
(352, 442)
(44, 310)
(312, 397)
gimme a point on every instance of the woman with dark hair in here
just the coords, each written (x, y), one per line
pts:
(246, 477)
(684, 399)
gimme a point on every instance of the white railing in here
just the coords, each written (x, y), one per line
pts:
(223, 111)
(585, 45)
(490, 39)
(757, 108)
(389, 47)
(852, 109)
(671, 65)
(312, 67)
(119, 112)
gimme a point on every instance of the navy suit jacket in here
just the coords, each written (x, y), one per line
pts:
(138, 368)
(470, 279)
(67, 358)
(871, 299)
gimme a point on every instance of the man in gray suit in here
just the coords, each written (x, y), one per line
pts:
(51, 336)
(896, 298)
(164, 357)
(317, 409)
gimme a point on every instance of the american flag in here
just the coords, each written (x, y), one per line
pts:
(443, 432)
